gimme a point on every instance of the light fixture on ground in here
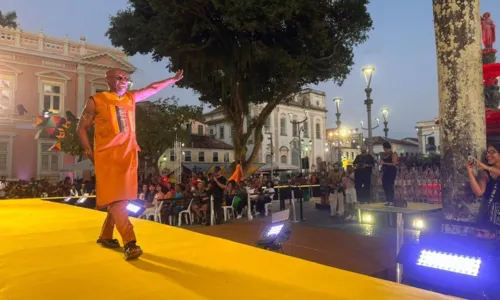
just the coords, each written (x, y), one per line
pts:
(385, 115)
(135, 208)
(418, 223)
(276, 234)
(368, 73)
(86, 201)
(464, 267)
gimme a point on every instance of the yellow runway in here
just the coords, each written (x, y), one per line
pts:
(48, 251)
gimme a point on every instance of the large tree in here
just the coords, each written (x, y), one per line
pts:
(158, 123)
(237, 53)
(8, 19)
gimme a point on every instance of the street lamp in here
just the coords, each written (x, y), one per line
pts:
(424, 136)
(368, 72)
(337, 101)
(297, 123)
(385, 114)
(268, 131)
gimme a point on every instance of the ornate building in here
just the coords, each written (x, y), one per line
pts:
(39, 74)
(308, 104)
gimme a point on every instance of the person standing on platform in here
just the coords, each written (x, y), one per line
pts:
(363, 164)
(114, 154)
(389, 165)
(336, 198)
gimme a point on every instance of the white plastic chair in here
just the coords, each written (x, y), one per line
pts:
(227, 210)
(187, 214)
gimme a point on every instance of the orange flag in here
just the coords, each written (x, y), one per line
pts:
(237, 175)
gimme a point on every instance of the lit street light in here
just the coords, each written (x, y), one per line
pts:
(337, 101)
(368, 72)
(385, 114)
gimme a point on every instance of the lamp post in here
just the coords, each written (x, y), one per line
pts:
(337, 101)
(368, 72)
(300, 129)
(424, 136)
(385, 114)
(268, 131)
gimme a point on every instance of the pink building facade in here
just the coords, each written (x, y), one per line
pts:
(42, 73)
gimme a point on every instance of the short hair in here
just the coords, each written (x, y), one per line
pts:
(386, 145)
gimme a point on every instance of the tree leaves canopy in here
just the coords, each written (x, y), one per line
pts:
(8, 19)
(237, 53)
(270, 48)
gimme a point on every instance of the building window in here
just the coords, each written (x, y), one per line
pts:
(268, 159)
(268, 121)
(187, 155)
(6, 92)
(283, 159)
(189, 128)
(306, 129)
(212, 131)
(295, 129)
(201, 156)
(172, 155)
(232, 131)
(49, 159)
(215, 157)
(318, 131)
(4, 152)
(221, 132)
(52, 96)
(200, 129)
(431, 141)
(283, 125)
(226, 157)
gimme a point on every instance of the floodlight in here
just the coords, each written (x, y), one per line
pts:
(275, 236)
(135, 208)
(367, 218)
(418, 224)
(86, 201)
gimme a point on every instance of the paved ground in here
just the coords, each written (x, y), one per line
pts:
(361, 248)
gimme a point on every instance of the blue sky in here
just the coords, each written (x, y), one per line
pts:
(401, 47)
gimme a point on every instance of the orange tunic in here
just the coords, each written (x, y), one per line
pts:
(115, 148)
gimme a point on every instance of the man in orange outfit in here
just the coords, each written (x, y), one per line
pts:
(115, 152)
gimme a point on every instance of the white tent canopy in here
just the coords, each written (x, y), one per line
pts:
(84, 165)
(278, 167)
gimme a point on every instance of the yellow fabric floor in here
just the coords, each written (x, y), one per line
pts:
(48, 251)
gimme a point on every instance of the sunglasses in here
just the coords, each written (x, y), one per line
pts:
(121, 78)
(491, 152)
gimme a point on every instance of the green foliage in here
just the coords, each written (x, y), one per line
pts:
(9, 19)
(237, 53)
(160, 122)
(157, 124)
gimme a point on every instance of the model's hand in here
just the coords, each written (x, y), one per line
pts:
(179, 75)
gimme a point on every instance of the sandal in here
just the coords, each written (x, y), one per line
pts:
(109, 243)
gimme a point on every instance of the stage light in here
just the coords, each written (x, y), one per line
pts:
(86, 201)
(418, 224)
(135, 208)
(275, 236)
(367, 218)
(461, 266)
(450, 262)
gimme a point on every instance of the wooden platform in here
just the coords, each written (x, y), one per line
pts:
(48, 251)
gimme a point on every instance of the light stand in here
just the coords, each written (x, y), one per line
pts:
(338, 122)
(368, 72)
(297, 123)
(385, 114)
(424, 137)
(268, 131)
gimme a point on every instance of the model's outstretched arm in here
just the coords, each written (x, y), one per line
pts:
(153, 88)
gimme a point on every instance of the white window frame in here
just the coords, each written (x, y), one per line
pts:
(187, 154)
(62, 85)
(60, 159)
(215, 156)
(13, 79)
(9, 138)
(222, 132)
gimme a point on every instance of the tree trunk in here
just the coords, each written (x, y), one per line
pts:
(461, 104)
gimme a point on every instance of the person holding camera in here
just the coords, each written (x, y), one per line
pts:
(486, 185)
